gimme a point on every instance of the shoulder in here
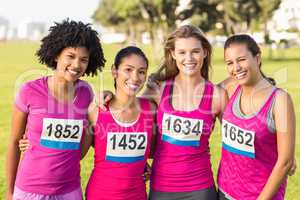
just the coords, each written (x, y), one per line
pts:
(85, 89)
(219, 91)
(84, 85)
(219, 100)
(229, 85)
(35, 85)
(282, 98)
(152, 105)
(284, 113)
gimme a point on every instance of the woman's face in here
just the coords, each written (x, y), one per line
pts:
(189, 55)
(72, 62)
(242, 65)
(131, 74)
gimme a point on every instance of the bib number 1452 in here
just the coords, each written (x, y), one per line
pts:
(126, 147)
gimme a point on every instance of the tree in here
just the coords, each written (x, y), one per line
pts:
(157, 17)
(239, 14)
(160, 18)
(202, 13)
(122, 15)
(268, 8)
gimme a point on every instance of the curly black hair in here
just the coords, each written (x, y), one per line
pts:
(72, 34)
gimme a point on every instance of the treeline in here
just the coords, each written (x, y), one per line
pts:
(159, 17)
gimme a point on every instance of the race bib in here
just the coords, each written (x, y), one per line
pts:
(238, 140)
(62, 134)
(181, 131)
(126, 147)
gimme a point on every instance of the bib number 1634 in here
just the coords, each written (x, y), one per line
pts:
(181, 131)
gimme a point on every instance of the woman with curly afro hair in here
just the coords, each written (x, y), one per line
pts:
(52, 112)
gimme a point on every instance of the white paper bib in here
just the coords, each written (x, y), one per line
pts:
(62, 134)
(238, 140)
(181, 131)
(126, 147)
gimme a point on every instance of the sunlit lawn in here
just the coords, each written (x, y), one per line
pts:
(18, 64)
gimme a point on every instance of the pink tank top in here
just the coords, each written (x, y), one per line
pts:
(54, 129)
(121, 153)
(249, 153)
(182, 160)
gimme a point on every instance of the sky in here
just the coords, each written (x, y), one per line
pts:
(48, 11)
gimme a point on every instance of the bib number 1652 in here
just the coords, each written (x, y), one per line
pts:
(238, 140)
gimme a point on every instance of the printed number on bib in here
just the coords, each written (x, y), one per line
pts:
(61, 133)
(126, 147)
(238, 140)
(181, 131)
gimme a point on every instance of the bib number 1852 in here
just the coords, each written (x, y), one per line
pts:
(61, 133)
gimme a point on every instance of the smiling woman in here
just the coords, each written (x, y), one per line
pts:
(124, 133)
(52, 113)
(72, 63)
(258, 128)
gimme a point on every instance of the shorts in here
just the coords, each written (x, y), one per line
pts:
(22, 195)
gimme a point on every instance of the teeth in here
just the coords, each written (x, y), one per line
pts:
(190, 65)
(73, 72)
(133, 86)
(241, 75)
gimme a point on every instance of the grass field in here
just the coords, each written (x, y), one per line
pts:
(18, 64)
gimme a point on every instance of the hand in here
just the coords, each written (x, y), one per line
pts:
(147, 172)
(293, 168)
(153, 82)
(24, 144)
(103, 98)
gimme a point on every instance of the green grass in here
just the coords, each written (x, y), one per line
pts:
(18, 64)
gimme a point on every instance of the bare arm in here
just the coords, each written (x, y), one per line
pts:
(19, 120)
(229, 85)
(154, 90)
(155, 130)
(89, 136)
(220, 100)
(284, 117)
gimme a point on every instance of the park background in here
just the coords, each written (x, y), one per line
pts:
(274, 24)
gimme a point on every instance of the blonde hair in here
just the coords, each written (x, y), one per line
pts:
(169, 69)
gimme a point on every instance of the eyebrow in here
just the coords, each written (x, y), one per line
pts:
(86, 57)
(191, 49)
(134, 66)
(236, 58)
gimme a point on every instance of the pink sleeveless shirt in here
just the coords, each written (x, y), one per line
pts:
(249, 153)
(182, 160)
(121, 153)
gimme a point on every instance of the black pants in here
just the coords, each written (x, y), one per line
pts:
(206, 194)
(222, 196)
